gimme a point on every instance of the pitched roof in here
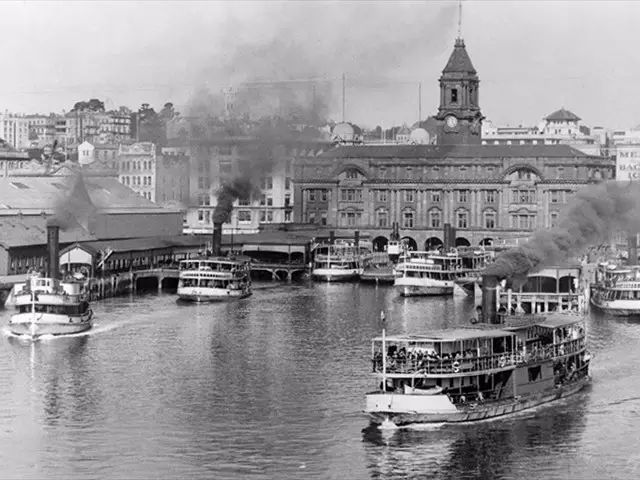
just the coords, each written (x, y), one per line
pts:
(459, 61)
(453, 151)
(32, 230)
(562, 115)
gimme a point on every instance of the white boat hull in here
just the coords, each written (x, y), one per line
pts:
(402, 409)
(37, 324)
(620, 308)
(204, 294)
(336, 275)
(411, 286)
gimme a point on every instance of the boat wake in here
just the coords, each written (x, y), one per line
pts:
(95, 330)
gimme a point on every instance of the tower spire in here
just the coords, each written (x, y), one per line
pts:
(459, 18)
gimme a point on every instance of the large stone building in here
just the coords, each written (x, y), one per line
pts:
(489, 193)
(137, 168)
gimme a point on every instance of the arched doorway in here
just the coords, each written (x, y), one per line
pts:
(380, 243)
(487, 242)
(432, 243)
(410, 243)
(462, 242)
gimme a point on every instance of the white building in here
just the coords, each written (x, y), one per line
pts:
(86, 153)
(560, 127)
(14, 129)
(137, 168)
(626, 146)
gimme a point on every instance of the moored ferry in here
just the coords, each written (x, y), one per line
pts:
(340, 261)
(436, 273)
(214, 278)
(505, 364)
(616, 290)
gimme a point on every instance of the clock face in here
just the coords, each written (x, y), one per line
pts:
(451, 121)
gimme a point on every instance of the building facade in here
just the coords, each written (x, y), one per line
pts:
(626, 149)
(172, 177)
(489, 193)
(14, 129)
(137, 168)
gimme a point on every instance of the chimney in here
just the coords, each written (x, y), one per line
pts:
(216, 240)
(632, 245)
(489, 299)
(53, 249)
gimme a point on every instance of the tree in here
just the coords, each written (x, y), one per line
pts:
(93, 105)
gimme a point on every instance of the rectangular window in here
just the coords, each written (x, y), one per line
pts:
(287, 200)
(434, 219)
(435, 197)
(263, 216)
(263, 200)
(244, 202)
(462, 196)
(556, 196)
(324, 195)
(462, 220)
(490, 196)
(287, 216)
(351, 195)
(490, 221)
(269, 183)
(454, 95)
(553, 219)
(269, 201)
(409, 196)
(312, 195)
(323, 218)
(407, 219)
(244, 216)
(382, 195)
(200, 216)
(287, 183)
(524, 196)
(312, 217)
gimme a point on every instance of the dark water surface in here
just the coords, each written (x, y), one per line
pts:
(273, 387)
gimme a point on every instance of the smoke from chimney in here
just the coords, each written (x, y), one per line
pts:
(591, 218)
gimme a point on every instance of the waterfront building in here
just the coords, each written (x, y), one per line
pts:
(216, 161)
(489, 193)
(561, 127)
(172, 177)
(94, 208)
(137, 168)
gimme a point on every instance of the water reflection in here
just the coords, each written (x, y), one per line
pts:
(493, 449)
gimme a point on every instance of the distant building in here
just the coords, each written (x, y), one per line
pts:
(561, 127)
(86, 153)
(94, 209)
(137, 168)
(172, 177)
(11, 160)
(14, 129)
(626, 148)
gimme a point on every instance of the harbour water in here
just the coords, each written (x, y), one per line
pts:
(272, 387)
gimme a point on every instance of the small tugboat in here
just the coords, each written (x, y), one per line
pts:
(505, 364)
(210, 279)
(340, 261)
(48, 306)
(436, 273)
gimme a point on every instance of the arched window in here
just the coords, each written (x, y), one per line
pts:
(489, 219)
(435, 218)
(382, 218)
(462, 219)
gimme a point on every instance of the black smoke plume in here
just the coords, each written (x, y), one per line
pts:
(238, 188)
(593, 215)
(73, 206)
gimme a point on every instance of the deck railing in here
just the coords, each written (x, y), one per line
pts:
(422, 364)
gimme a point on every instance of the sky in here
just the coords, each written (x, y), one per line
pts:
(531, 57)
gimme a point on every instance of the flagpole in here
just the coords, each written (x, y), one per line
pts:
(384, 354)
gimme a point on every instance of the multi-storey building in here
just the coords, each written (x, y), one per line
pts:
(14, 129)
(626, 148)
(214, 162)
(137, 168)
(172, 177)
(489, 193)
(561, 127)
(11, 160)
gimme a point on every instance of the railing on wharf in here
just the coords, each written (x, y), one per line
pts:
(421, 364)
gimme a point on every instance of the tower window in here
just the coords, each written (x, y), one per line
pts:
(454, 95)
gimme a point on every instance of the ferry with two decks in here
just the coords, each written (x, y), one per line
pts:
(209, 279)
(507, 363)
(616, 289)
(340, 261)
(437, 273)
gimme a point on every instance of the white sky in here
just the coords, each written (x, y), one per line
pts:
(532, 57)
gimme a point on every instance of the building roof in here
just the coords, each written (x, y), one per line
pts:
(459, 61)
(562, 115)
(453, 151)
(450, 335)
(17, 231)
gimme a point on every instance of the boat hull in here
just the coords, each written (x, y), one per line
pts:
(410, 287)
(404, 409)
(203, 295)
(35, 325)
(334, 275)
(618, 308)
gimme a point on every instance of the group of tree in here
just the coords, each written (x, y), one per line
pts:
(147, 125)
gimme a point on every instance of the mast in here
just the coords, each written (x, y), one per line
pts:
(384, 353)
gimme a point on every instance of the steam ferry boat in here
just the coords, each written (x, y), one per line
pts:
(47, 305)
(210, 279)
(436, 273)
(616, 290)
(509, 362)
(340, 261)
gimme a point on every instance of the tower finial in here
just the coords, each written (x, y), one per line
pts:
(459, 18)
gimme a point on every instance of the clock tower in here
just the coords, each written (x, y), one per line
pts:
(459, 116)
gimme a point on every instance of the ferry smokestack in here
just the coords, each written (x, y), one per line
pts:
(332, 237)
(489, 298)
(632, 244)
(356, 238)
(53, 250)
(446, 236)
(216, 240)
